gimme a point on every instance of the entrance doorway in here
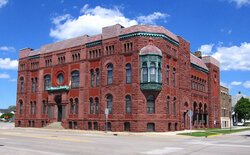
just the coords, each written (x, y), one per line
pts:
(58, 100)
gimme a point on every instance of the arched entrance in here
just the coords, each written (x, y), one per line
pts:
(58, 100)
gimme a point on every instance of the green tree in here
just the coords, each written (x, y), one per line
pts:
(242, 108)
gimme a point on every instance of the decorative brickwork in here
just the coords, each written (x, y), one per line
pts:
(76, 79)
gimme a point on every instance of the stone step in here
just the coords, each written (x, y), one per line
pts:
(54, 125)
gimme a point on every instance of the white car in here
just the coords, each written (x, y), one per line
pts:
(240, 124)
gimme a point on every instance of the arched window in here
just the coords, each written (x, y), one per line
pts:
(144, 72)
(21, 84)
(109, 103)
(128, 73)
(47, 81)
(33, 85)
(97, 77)
(110, 73)
(92, 78)
(152, 72)
(20, 107)
(174, 105)
(75, 79)
(91, 106)
(71, 106)
(174, 77)
(76, 105)
(96, 105)
(34, 107)
(168, 105)
(31, 107)
(151, 104)
(60, 79)
(167, 75)
(128, 104)
(159, 73)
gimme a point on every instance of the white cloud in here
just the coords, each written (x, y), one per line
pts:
(3, 3)
(246, 84)
(7, 63)
(224, 84)
(240, 3)
(151, 19)
(91, 20)
(236, 83)
(206, 49)
(7, 48)
(12, 80)
(4, 76)
(233, 57)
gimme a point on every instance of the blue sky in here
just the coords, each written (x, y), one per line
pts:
(220, 28)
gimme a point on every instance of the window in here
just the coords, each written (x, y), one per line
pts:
(22, 85)
(75, 79)
(169, 126)
(33, 85)
(60, 79)
(128, 73)
(92, 77)
(174, 78)
(167, 75)
(76, 105)
(109, 128)
(110, 74)
(97, 77)
(20, 107)
(152, 72)
(168, 105)
(89, 125)
(126, 126)
(91, 102)
(128, 104)
(150, 127)
(71, 106)
(31, 107)
(176, 126)
(47, 81)
(95, 126)
(159, 73)
(34, 107)
(44, 107)
(109, 103)
(144, 72)
(174, 105)
(151, 104)
(96, 105)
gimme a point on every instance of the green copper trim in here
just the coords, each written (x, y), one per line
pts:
(199, 68)
(58, 88)
(34, 57)
(95, 43)
(151, 86)
(149, 34)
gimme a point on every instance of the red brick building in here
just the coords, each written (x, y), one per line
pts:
(145, 75)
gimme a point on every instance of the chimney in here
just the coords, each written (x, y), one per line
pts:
(198, 54)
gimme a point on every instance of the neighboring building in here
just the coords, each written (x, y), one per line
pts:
(226, 104)
(144, 75)
(235, 99)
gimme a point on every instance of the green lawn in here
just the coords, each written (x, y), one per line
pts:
(210, 132)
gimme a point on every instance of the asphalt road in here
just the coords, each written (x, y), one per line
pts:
(30, 141)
